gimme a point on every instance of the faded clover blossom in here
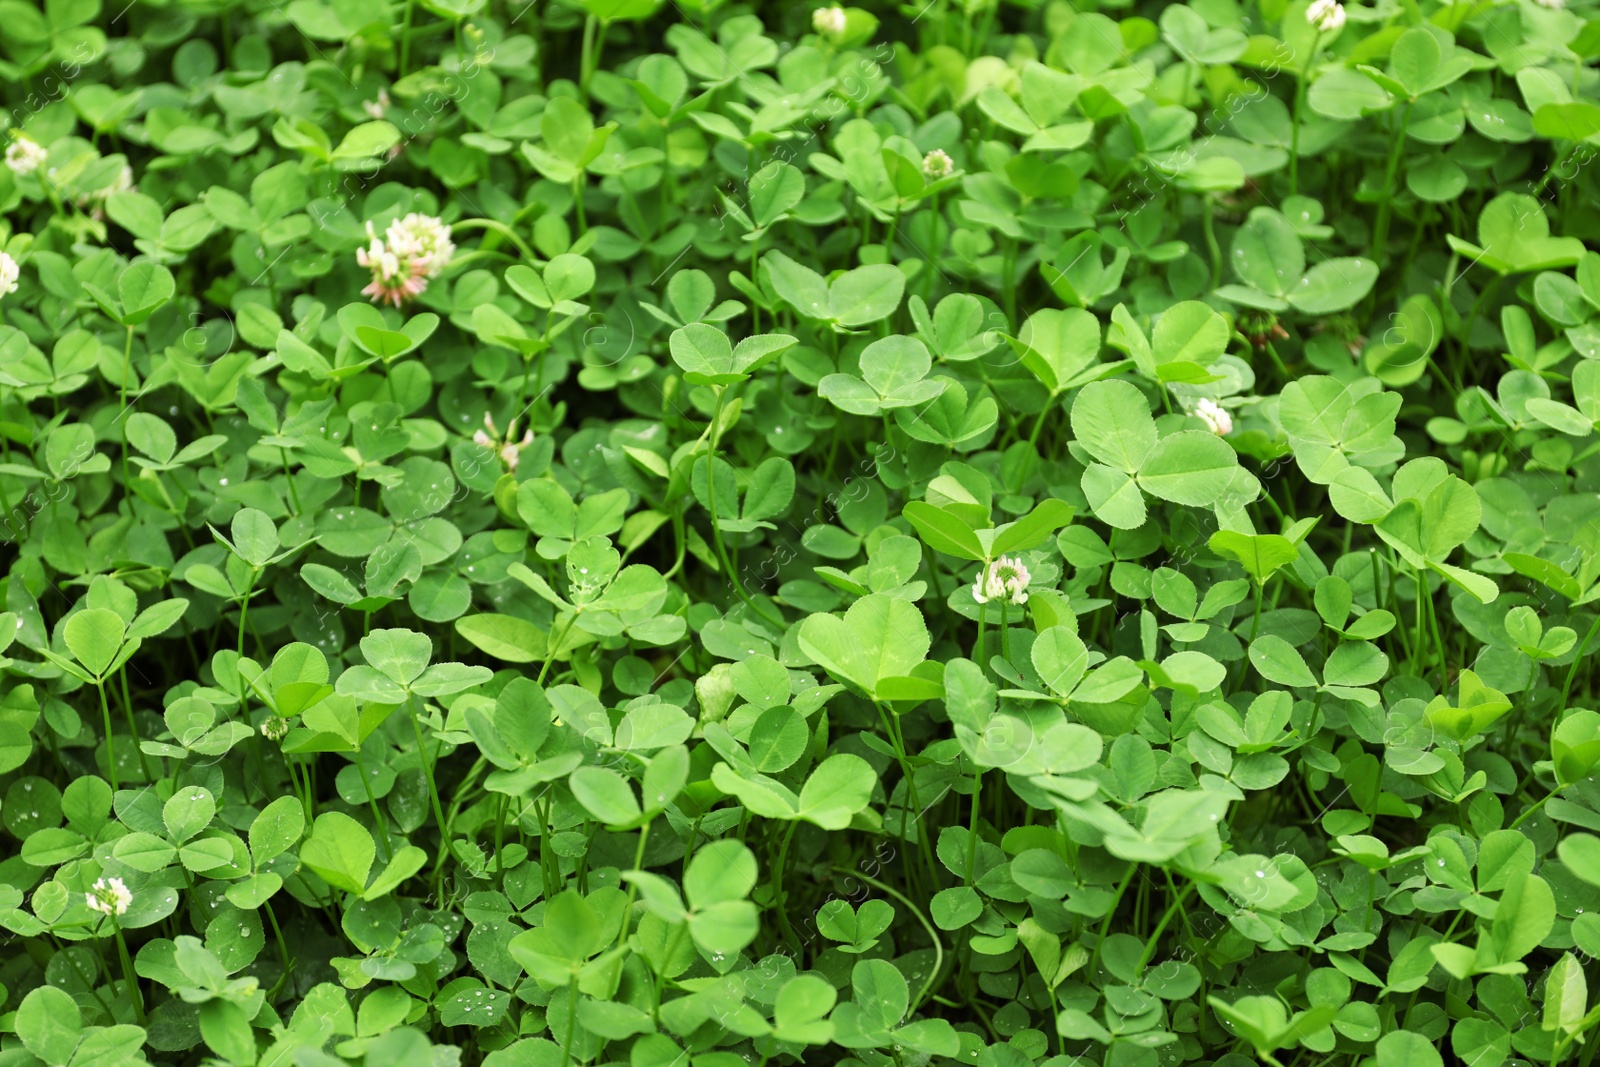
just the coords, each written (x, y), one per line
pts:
(938, 164)
(1215, 416)
(1326, 15)
(510, 450)
(410, 252)
(829, 21)
(109, 896)
(1005, 579)
(24, 155)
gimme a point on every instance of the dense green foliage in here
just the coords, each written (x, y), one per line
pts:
(600, 532)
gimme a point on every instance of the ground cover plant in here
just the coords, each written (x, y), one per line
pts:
(713, 534)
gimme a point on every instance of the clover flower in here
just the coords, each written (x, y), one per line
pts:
(1215, 416)
(109, 896)
(24, 155)
(275, 729)
(1005, 579)
(378, 107)
(829, 21)
(1326, 15)
(938, 164)
(410, 252)
(509, 451)
(9, 273)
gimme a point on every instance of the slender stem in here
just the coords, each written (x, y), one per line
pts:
(1105, 924)
(133, 727)
(122, 401)
(1150, 945)
(777, 886)
(129, 977)
(1572, 671)
(972, 827)
(572, 1021)
(1208, 224)
(1299, 106)
(496, 226)
(1038, 424)
(405, 39)
(1380, 229)
(577, 199)
(427, 770)
(377, 816)
(587, 47)
(555, 646)
(244, 611)
(111, 748)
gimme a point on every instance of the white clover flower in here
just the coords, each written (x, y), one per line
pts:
(377, 108)
(829, 21)
(410, 252)
(109, 897)
(422, 239)
(1326, 15)
(1004, 579)
(1215, 416)
(275, 729)
(24, 155)
(9, 273)
(938, 164)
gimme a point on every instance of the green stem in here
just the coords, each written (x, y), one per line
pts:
(555, 646)
(500, 228)
(777, 887)
(1155, 935)
(427, 770)
(133, 728)
(1572, 671)
(129, 977)
(405, 39)
(244, 611)
(1380, 229)
(1105, 924)
(111, 749)
(972, 827)
(633, 888)
(1208, 224)
(372, 802)
(1299, 107)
